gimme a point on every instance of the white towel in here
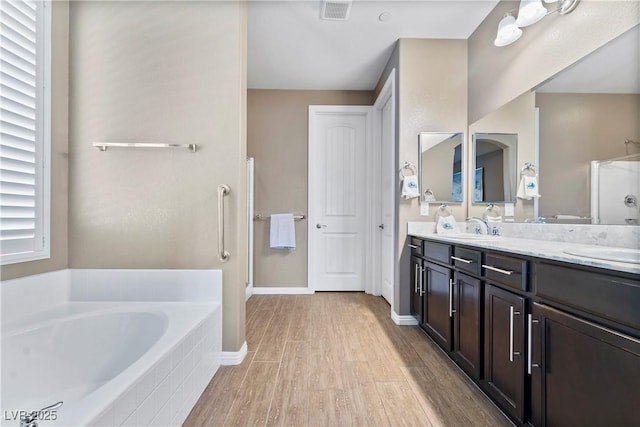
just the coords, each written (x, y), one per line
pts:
(283, 233)
(494, 219)
(528, 188)
(410, 187)
(429, 196)
(495, 223)
(447, 224)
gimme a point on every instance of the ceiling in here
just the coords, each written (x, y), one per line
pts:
(614, 68)
(289, 47)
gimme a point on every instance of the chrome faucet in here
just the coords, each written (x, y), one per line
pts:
(482, 227)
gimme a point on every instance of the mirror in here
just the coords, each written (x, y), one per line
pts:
(515, 118)
(495, 167)
(581, 115)
(587, 112)
(440, 165)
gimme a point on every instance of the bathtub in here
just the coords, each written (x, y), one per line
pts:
(126, 362)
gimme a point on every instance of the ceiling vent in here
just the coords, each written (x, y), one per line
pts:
(335, 10)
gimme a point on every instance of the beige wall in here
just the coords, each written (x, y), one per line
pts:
(277, 139)
(159, 72)
(575, 129)
(431, 97)
(498, 75)
(59, 150)
(517, 116)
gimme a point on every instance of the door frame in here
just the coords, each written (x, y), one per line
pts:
(360, 110)
(387, 94)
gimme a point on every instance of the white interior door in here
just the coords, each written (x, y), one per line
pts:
(386, 200)
(337, 197)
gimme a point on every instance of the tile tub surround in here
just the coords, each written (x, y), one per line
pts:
(161, 386)
(552, 249)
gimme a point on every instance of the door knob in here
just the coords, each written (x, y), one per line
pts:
(381, 226)
(321, 226)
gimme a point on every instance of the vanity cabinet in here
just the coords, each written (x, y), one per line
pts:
(504, 324)
(417, 289)
(467, 323)
(452, 299)
(551, 343)
(438, 304)
(582, 374)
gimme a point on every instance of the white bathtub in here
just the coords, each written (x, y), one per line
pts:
(111, 363)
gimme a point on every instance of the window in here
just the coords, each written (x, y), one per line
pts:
(25, 28)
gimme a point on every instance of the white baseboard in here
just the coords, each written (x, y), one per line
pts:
(233, 357)
(404, 320)
(299, 290)
(248, 292)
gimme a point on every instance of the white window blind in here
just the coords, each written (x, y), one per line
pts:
(24, 130)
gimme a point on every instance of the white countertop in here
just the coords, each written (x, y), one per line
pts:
(553, 250)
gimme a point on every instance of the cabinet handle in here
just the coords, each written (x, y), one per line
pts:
(415, 279)
(451, 310)
(466, 261)
(499, 270)
(413, 246)
(530, 363)
(421, 281)
(512, 353)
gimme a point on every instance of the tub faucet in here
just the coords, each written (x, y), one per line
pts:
(481, 227)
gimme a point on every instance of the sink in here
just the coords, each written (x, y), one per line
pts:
(609, 254)
(472, 237)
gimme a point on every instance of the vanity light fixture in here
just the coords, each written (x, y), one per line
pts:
(529, 12)
(508, 31)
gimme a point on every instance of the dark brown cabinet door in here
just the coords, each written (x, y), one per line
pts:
(504, 349)
(417, 285)
(466, 323)
(588, 375)
(437, 311)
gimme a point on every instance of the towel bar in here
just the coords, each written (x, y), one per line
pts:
(296, 217)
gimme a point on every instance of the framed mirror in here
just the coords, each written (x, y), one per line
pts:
(495, 167)
(441, 167)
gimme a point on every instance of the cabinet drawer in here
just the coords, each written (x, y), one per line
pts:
(437, 252)
(467, 260)
(506, 270)
(604, 295)
(415, 244)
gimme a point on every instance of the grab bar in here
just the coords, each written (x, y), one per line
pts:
(102, 146)
(223, 190)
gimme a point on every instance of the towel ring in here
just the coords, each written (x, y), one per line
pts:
(529, 167)
(443, 209)
(411, 167)
(492, 211)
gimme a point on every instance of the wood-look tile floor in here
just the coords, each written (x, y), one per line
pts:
(337, 359)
